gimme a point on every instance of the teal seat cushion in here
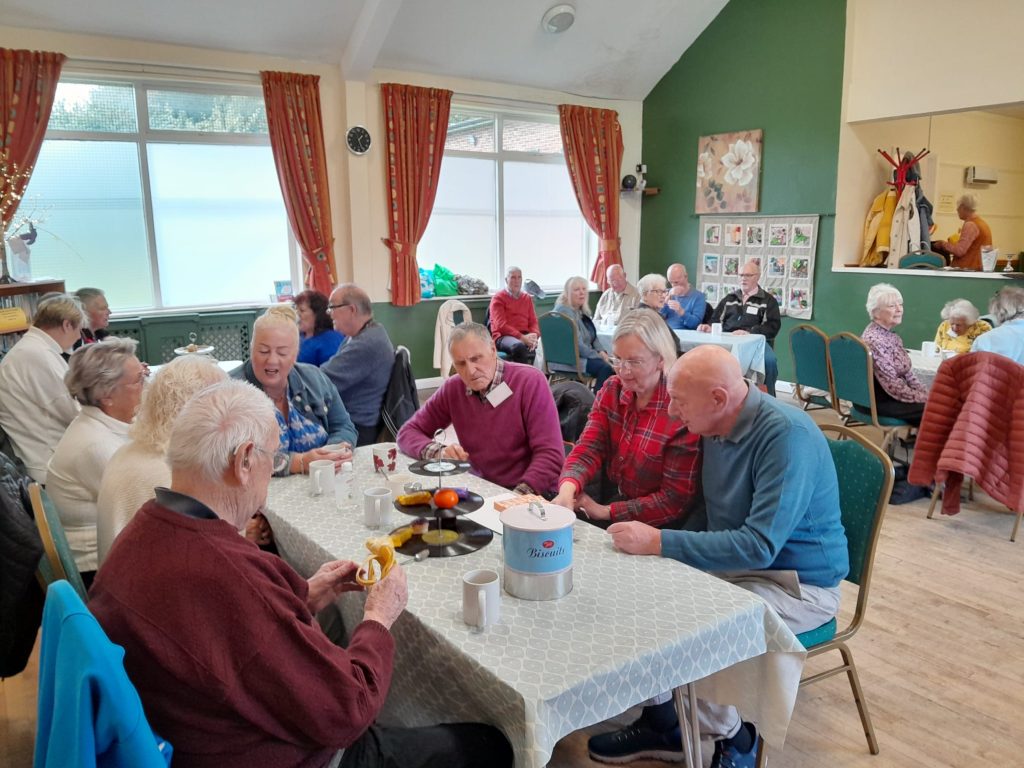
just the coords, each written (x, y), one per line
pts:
(817, 636)
(885, 421)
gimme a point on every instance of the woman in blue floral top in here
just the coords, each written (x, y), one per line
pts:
(313, 420)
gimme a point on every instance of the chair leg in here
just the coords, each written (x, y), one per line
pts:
(935, 497)
(762, 753)
(858, 697)
(970, 489)
(1016, 525)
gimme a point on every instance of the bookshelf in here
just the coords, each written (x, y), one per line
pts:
(24, 296)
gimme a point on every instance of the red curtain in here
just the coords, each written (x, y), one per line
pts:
(28, 83)
(297, 140)
(592, 141)
(416, 120)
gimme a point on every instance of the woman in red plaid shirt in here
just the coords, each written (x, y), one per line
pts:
(647, 463)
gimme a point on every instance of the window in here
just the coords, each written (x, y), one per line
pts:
(162, 194)
(504, 198)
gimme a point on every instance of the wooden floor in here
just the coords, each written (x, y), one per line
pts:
(940, 657)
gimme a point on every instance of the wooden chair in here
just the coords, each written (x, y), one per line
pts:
(809, 346)
(58, 562)
(561, 347)
(866, 478)
(853, 379)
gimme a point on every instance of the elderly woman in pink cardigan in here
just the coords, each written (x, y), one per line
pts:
(898, 393)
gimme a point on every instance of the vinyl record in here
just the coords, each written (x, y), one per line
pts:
(471, 503)
(455, 537)
(438, 467)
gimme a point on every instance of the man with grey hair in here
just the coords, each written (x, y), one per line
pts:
(617, 300)
(975, 234)
(1008, 338)
(220, 638)
(513, 319)
(35, 406)
(361, 368)
(503, 413)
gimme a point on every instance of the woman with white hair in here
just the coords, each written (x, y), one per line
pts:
(141, 465)
(653, 289)
(574, 304)
(960, 326)
(106, 378)
(975, 234)
(1007, 306)
(640, 463)
(312, 418)
(898, 393)
(97, 315)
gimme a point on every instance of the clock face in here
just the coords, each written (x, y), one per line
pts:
(358, 140)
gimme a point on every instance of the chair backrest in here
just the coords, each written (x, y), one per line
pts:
(809, 346)
(853, 374)
(401, 399)
(922, 260)
(866, 478)
(458, 317)
(558, 335)
(89, 713)
(58, 562)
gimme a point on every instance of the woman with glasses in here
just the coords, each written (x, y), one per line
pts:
(313, 420)
(633, 461)
(574, 304)
(654, 291)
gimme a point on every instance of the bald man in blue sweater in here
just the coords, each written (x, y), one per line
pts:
(772, 499)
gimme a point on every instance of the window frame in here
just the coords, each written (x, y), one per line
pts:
(144, 135)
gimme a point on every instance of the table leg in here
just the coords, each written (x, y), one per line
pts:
(689, 726)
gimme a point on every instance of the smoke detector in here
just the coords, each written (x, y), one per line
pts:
(558, 18)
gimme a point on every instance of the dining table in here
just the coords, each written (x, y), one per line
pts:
(925, 366)
(631, 628)
(747, 348)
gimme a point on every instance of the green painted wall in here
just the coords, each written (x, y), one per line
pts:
(775, 65)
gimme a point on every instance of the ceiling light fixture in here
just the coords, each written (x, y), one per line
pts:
(558, 18)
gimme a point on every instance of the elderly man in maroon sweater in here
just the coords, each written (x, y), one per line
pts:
(220, 637)
(514, 324)
(503, 413)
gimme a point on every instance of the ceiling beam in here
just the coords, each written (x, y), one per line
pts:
(367, 38)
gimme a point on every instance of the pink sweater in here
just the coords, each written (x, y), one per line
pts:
(519, 441)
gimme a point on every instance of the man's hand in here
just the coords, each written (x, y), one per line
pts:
(635, 538)
(530, 340)
(704, 328)
(258, 531)
(566, 496)
(675, 306)
(455, 451)
(386, 599)
(593, 510)
(330, 580)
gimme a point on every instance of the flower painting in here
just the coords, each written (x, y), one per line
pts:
(728, 172)
(778, 235)
(802, 235)
(799, 268)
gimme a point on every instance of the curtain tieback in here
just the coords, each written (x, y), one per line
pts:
(610, 245)
(399, 247)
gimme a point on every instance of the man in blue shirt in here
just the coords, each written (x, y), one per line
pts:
(1007, 338)
(772, 499)
(684, 307)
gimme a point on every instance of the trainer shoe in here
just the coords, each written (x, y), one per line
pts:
(638, 741)
(727, 756)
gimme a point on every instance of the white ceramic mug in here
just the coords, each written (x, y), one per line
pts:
(716, 329)
(385, 455)
(929, 348)
(377, 507)
(481, 598)
(321, 478)
(398, 481)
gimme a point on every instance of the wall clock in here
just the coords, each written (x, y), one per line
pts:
(358, 140)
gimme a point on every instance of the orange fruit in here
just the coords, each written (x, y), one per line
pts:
(446, 498)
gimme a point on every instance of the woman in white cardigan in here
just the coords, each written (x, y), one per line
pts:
(139, 467)
(106, 378)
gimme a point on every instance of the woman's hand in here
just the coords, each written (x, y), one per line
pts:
(593, 510)
(338, 454)
(330, 580)
(566, 496)
(258, 531)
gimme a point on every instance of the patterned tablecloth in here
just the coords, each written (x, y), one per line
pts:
(747, 348)
(631, 628)
(925, 366)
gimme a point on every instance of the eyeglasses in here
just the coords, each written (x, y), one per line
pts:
(332, 307)
(627, 365)
(659, 291)
(752, 274)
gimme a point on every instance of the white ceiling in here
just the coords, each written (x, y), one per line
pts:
(616, 49)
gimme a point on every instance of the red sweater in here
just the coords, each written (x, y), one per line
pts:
(512, 317)
(231, 666)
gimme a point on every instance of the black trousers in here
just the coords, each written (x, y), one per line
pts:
(454, 745)
(515, 349)
(887, 405)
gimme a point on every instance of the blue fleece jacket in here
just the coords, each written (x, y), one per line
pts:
(693, 304)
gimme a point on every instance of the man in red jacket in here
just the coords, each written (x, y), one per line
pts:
(514, 320)
(220, 637)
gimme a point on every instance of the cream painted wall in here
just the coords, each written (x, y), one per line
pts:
(917, 57)
(368, 193)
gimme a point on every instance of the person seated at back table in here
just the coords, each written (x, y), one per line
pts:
(318, 339)
(960, 327)
(898, 392)
(220, 638)
(653, 295)
(514, 324)
(644, 462)
(772, 499)
(617, 300)
(573, 303)
(684, 307)
(361, 368)
(1007, 306)
(503, 413)
(751, 309)
(97, 315)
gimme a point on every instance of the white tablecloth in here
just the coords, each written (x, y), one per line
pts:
(747, 348)
(925, 366)
(632, 627)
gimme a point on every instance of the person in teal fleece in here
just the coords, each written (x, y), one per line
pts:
(772, 499)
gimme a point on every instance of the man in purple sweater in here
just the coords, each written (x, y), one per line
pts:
(503, 413)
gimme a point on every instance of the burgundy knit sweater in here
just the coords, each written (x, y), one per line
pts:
(231, 667)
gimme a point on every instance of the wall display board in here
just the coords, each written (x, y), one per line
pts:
(782, 246)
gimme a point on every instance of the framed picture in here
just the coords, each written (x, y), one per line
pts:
(776, 292)
(802, 234)
(798, 300)
(777, 266)
(730, 266)
(735, 234)
(728, 172)
(755, 236)
(778, 235)
(713, 234)
(799, 268)
(710, 264)
(711, 293)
